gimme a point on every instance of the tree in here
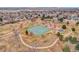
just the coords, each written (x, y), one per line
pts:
(61, 19)
(43, 17)
(58, 34)
(77, 47)
(1, 19)
(66, 49)
(77, 23)
(49, 17)
(26, 32)
(73, 29)
(73, 40)
(64, 26)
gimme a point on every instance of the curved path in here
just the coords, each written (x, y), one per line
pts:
(41, 47)
(38, 47)
(27, 45)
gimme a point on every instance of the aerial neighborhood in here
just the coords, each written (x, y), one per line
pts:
(36, 29)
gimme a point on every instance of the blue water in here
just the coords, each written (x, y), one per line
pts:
(38, 30)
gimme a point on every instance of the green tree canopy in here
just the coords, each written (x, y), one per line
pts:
(66, 49)
(77, 47)
(1, 19)
(71, 39)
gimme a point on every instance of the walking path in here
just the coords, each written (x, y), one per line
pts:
(27, 45)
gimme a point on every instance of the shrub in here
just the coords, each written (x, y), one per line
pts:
(64, 26)
(77, 23)
(26, 32)
(61, 37)
(71, 39)
(1, 19)
(61, 19)
(66, 49)
(77, 47)
(73, 29)
(58, 34)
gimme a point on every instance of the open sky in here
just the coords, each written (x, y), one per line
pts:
(39, 3)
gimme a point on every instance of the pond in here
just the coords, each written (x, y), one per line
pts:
(38, 30)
